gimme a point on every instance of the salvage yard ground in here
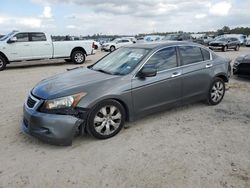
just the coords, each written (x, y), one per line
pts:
(190, 146)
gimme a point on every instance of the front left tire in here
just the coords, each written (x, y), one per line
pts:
(106, 119)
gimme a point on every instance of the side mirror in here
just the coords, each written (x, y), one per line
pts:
(147, 71)
(12, 40)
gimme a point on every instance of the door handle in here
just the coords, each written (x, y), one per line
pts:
(175, 74)
(46, 44)
(209, 65)
(26, 45)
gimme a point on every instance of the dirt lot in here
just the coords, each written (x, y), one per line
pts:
(191, 146)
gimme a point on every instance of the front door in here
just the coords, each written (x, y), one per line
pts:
(21, 49)
(164, 89)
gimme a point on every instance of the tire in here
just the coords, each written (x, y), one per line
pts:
(103, 123)
(112, 48)
(224, 49)
(3, 63)
(216, 91)
(78, 57)
(237, 48)
(68, 60)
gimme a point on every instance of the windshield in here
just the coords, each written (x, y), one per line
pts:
(121, 61)
(7, 36)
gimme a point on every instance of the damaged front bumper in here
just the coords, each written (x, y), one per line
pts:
(52, 128)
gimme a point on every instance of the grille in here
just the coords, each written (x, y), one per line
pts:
(31, 102)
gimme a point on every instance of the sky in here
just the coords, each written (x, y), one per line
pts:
(130, 17)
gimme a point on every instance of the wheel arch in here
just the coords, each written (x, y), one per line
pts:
(78, 49)
(118, 99)
(4, 56)
(223, 76)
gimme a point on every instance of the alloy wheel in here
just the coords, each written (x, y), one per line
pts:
(107, 120)
(79, 57)
(1, 63)
(217, 91)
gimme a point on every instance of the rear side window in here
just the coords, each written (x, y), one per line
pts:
(22, 37)
(125, 40)
(206, 54)
(190, 54)
(38, 37)
(164, 59)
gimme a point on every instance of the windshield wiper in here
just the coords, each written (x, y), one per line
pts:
(103, 71)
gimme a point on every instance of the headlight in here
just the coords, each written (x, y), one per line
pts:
(63, 102)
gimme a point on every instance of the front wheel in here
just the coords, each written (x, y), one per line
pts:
(78, 57)
(112, 48)
(216, 91)
(2, 63)
(106, 119)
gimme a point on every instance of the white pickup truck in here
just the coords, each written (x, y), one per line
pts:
(21, 46)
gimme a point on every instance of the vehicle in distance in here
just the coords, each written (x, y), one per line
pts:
(241, 65)
(247, 42)
(224, 43)
(115, 44)
(20, 46)
(129, 83)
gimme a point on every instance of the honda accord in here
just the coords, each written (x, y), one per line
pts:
(127, 84)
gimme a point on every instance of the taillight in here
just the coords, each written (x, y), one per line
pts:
(93, 45)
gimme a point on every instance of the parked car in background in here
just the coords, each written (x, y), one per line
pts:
(129, 83)
(204, 40)
(152, 38)
(179, 37)
(224, 44)
(1, 36)
(133, 39)
(115, 44)
(247, 42)
(240, 37)
(20, 46)
(241, 65)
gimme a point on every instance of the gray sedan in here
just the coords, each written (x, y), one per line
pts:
(127, 84)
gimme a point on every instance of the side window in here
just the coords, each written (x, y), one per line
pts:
(125, 40)
(206, 54)
(22, 37)
(164, 59)
(38, 37)
(190, 54)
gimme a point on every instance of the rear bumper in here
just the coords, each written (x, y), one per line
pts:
(51, 128)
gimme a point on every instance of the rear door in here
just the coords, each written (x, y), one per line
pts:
(196, 72)
(41, 46)
(162, 90)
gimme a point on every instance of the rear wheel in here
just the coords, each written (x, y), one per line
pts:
(106, 119)
(78, 57)
(216, 91)
(3, 63)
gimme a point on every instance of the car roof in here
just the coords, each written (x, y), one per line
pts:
(156, 45)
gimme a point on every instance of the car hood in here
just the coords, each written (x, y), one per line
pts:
(68, 83)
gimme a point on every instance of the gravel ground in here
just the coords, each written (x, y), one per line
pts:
(191, 146)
